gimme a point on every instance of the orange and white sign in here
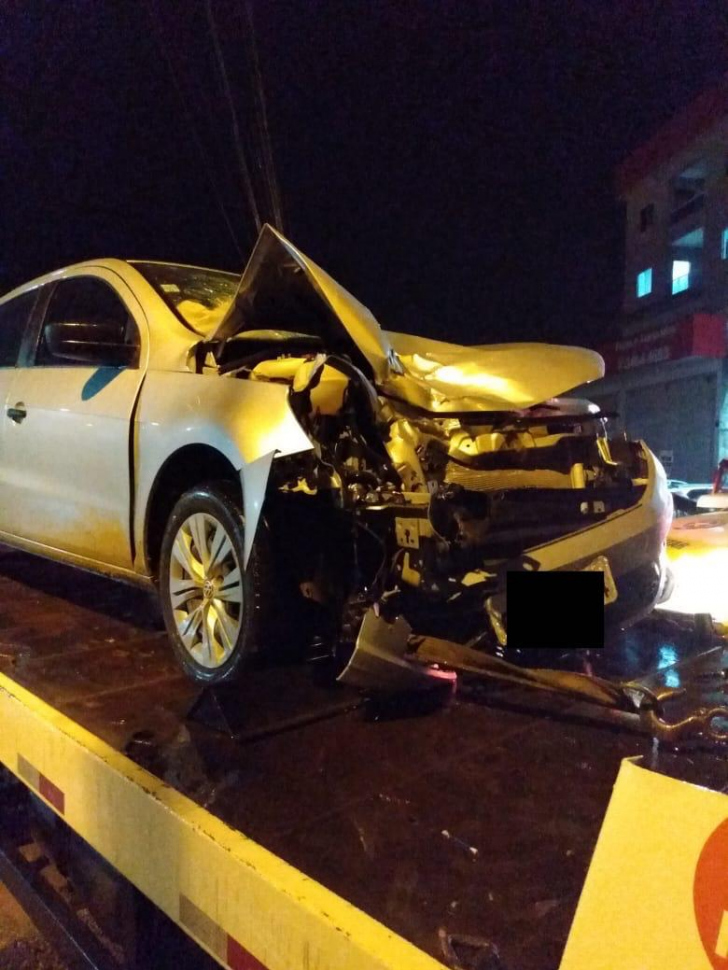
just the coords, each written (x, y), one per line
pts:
(710, 895)
(656, 894)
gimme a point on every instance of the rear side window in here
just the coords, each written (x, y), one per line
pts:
(13, 319)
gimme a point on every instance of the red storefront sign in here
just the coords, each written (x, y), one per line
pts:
(699, 335)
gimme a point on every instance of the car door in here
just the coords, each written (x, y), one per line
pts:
(67, 425)
(14, 318)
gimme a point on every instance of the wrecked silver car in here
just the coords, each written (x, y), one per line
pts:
(285, 472)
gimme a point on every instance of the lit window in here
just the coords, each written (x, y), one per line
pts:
(680, 275)
(644, 283)
(724, 244)
(691, 240)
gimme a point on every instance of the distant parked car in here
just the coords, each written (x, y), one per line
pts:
(259, 450)
(685, 495)
(716, 500)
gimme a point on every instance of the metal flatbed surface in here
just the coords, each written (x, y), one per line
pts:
(478, 818)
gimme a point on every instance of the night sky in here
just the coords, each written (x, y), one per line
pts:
(451, 163)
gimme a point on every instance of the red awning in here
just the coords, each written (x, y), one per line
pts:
(698, 335)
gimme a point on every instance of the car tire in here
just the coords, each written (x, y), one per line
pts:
(214, 609)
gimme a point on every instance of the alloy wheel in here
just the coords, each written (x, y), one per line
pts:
(206, 589)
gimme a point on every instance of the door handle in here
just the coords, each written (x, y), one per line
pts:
(17, 413)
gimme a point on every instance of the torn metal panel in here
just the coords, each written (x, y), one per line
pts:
(379, 662)
(279, 284)
(254, 478)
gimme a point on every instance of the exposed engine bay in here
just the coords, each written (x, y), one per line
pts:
(434, 469)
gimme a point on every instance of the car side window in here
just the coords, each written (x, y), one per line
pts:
(13, 319)
(97, 313)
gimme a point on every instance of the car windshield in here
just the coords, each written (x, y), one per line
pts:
(199, 296)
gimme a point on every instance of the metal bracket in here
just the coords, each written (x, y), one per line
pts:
(54, 918)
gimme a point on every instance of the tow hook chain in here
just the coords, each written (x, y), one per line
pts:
(631, 697)
(698, 724)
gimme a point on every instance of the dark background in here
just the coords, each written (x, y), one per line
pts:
(451, 163)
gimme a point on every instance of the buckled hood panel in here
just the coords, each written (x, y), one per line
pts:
(283, 289)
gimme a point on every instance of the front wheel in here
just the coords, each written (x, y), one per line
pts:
(212, 605)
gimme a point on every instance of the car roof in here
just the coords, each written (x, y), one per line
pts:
(166, 262)
(170, 336)
(120, 266)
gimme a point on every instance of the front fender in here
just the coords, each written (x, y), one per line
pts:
(248, 422)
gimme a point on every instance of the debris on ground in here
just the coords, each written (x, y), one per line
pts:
(463, 952)
(460, 843)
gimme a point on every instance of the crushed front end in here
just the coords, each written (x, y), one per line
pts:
(479, 496)
(434, 469)
(419, 516)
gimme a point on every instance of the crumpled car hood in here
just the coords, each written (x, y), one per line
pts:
(281, 288)
(444, 377)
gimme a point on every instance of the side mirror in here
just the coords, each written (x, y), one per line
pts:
(89, 343)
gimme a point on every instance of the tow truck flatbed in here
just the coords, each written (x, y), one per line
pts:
(477, 819)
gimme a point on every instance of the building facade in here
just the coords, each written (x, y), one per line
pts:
(666, 374)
